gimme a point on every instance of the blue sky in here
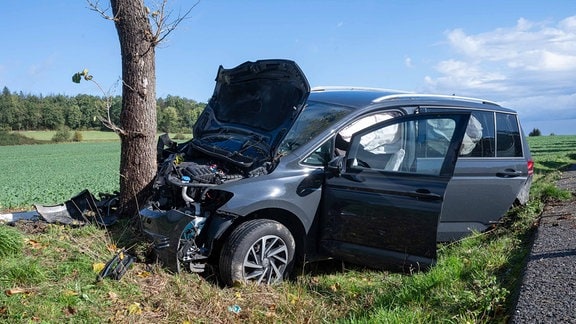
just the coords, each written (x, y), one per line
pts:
(521, 54)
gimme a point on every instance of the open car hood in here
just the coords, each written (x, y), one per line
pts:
(252, 108)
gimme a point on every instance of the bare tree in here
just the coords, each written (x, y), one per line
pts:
(139, 30)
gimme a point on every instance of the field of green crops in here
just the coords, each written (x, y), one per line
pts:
(50, 174)
(552, 152)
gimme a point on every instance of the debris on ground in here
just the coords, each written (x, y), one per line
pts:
(81, 210)
(117, 266)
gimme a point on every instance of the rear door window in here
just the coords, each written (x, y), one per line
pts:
(479, 139)
(508, 140)
(491, 134)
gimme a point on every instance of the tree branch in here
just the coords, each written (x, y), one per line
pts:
(95, 6)
(163, 28)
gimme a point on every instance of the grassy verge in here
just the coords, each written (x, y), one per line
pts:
(7, 138)
(49, 275)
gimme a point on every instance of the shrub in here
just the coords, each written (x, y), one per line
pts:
(77, 136)
(535, 132)
(62, 135)
(7, 138)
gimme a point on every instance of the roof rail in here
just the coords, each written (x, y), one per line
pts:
(336, 88)
(424, 96)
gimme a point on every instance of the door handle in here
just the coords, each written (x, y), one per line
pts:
(509, 173)
(426, 194)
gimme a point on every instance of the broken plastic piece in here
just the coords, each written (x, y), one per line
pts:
(117, 266)
(234, 309)
(81, 209)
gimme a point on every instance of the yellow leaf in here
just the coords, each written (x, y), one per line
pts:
(293, 298)
(143, 274)
(112, 295)
(335, 287)
(111, 247)
(238, 295)
(134, 309)
(14, 291)
(70, 293)
(97, 267)
(35, 244)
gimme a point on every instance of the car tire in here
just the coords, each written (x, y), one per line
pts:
(260, 251)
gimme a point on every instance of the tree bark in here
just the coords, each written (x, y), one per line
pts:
(138, 115)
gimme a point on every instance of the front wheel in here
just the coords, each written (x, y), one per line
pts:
(260, 251)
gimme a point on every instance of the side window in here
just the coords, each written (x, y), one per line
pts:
(380, 149)
(479, 139)
(375, 140)
(508, 140)
(341, 142)
(420, 145)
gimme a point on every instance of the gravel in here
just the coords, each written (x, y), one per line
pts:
(548, 290)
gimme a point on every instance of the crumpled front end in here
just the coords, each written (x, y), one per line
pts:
(236, 137)
(186, 197)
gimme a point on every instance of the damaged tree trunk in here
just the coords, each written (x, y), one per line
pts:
(138, 115)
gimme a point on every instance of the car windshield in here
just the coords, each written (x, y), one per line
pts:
(314, 119)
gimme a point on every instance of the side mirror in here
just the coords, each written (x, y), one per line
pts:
(335, 166)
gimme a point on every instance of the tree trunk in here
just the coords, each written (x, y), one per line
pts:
(138, 115)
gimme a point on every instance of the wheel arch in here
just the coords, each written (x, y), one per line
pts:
(282, 216)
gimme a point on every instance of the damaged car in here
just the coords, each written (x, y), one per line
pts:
(277, 173)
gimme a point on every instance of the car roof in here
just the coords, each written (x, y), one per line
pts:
(357, 97)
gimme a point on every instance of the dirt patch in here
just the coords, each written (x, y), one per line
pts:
(30, 226)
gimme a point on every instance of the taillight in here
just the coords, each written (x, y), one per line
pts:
(530, 167)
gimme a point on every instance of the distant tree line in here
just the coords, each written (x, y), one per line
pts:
(20, 111)
(535, 132)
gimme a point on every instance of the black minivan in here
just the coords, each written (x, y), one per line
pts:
(278, 173)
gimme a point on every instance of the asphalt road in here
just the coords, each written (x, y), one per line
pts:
(548, 291)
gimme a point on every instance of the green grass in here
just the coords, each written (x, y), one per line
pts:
(51, 273)
(11, 241)
(551, 153)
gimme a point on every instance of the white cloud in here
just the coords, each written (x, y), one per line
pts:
(531, 66)
(408, 62)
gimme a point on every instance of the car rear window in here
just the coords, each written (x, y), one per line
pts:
(508, 140)
(490, 134)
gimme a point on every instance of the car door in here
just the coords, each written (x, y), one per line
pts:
(381, 206)
(487, 179)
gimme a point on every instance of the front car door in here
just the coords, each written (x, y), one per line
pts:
(383, 206)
